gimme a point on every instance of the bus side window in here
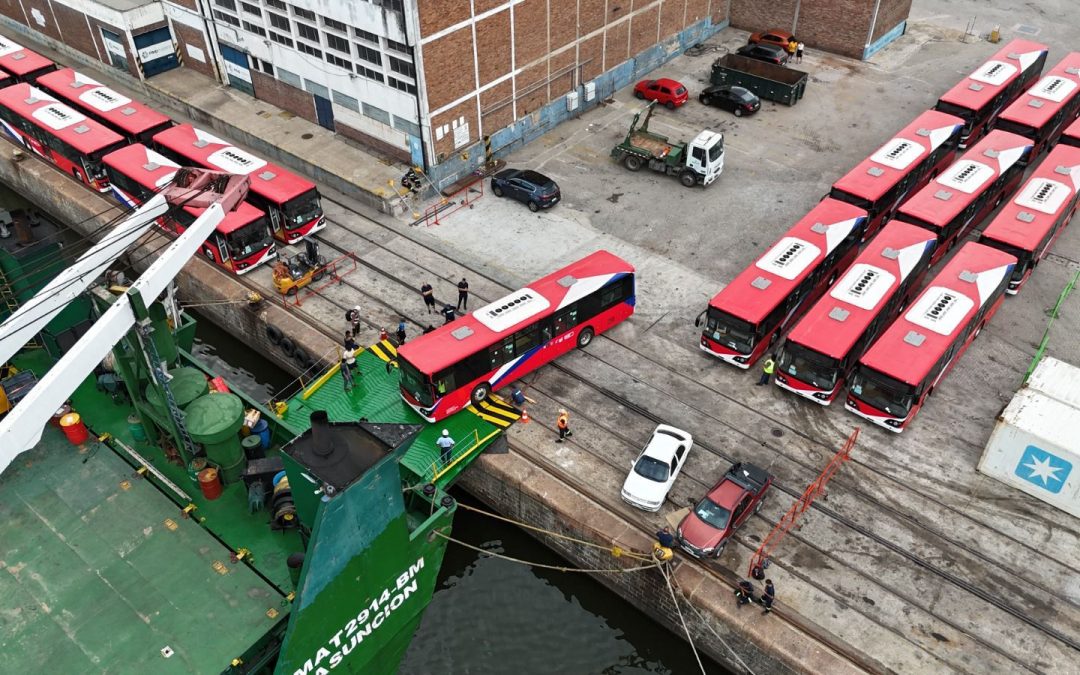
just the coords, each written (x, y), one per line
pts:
(525, 339)
(545, 331)
(501, 352)
(566, 319)
(616, 292)
(444, 381)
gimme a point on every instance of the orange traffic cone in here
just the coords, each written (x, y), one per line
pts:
(525, 416)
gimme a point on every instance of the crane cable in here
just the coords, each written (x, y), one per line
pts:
(557, 568)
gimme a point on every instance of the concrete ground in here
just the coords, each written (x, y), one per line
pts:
(916, 563)
(925, 564)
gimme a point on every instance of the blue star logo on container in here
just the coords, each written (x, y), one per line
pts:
(1039, 467)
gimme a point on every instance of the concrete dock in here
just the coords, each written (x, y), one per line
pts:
(915, 563)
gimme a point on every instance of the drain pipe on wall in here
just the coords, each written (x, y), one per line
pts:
(873, 23)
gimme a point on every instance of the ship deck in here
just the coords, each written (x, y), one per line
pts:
(103, 572)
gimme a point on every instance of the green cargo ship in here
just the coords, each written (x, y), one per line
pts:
(317, 555)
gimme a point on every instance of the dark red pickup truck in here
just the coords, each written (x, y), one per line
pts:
(706, 529)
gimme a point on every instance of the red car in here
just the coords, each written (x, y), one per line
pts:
(668, 92)
(773, 36)
(705, 531)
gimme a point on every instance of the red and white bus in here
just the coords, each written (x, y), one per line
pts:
(57, 133)
(822, 348)
(882, 181)
(1071, 135)
(1042, 112)
(1027, 226)
(242, 240)
(979, 97)
(749, 314)
(292, 203)
(22, 64)
(894, 377)
(133, 120)
(965, 193)
(444, 371)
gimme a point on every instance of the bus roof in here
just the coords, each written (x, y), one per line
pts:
(481, 328)
(1055, 90)
(950, 193)
(759, 288)
(910, 347)
(267, 180)
(153, 171)
(876, 174)
(835, 323)
(978, 88)
(19, 61)
(122, 112)
(68, 124)
(1026, 219)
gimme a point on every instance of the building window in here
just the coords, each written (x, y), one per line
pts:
(365, 35)
(227, 4)
(398, 47)
(303, 13)
(281, 39)
(253, 28)
(222, 16)
(334, 25)
(403, 86)
(264, 66)
(377, 114)
(316, 88)
(368, 54)
(369, 73)
(346, 101)
(277, 4)
(339, 62)
(308, 49)
(406, 126)
(403, 67)
(279, 22)
(338, 43)
(251, 9)
(307, 32)
(395, 5)
(289, 78)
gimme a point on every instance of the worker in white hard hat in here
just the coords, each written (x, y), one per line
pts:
(447, 445)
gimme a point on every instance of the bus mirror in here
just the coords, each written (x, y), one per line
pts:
(697, 321)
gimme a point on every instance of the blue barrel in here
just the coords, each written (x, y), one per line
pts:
(262, 430)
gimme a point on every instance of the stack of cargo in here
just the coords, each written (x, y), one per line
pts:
(1035, 446)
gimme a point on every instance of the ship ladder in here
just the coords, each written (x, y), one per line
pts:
(7, 295)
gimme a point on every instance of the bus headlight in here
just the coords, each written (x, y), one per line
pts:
(821, 396)
(740, 359)
(893, 423)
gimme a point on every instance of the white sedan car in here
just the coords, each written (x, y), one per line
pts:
(654, 471)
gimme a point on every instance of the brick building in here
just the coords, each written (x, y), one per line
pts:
(855, 28)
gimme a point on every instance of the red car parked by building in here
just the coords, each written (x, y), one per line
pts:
(664, 91)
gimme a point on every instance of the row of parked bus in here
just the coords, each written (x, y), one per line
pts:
(912, 201)
(117, 145)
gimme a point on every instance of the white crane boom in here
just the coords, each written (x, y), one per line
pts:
(21, 429)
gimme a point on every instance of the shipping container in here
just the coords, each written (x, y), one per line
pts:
(1057, 379)
(1035, 448)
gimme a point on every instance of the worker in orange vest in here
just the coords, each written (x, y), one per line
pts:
(563, 424)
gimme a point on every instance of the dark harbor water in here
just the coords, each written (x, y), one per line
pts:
(494, 616)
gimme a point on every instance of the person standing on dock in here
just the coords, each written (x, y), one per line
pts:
(349, 342)
(767, 596)
(352, 319)
(767, 370)
(429, 298)
(799, 52)
(448, 314)
(563, 424)
(346, 371)
(463, 294)
(665, 538)
(401, 331)
(744, 593)
(447, 445)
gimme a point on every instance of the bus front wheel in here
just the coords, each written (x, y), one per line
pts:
(585, 337)
(482, 391)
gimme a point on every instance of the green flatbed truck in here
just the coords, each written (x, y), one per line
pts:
(698, 162)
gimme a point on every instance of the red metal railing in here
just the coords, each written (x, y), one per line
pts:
(790, 520)
(331, 274)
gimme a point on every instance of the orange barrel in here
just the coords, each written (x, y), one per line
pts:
(72, 426)
(209, 483)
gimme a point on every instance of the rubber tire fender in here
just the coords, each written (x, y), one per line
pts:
(302, 358)
(274, 334)
(287, 346)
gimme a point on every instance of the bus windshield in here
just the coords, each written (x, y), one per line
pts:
(839, 194)
(414, 382)
(303, 209)
(1023, 257)
(812, 367)
(726, 329)
(1016, 128)
(966, 114)
(249, 239)
(883, 392)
